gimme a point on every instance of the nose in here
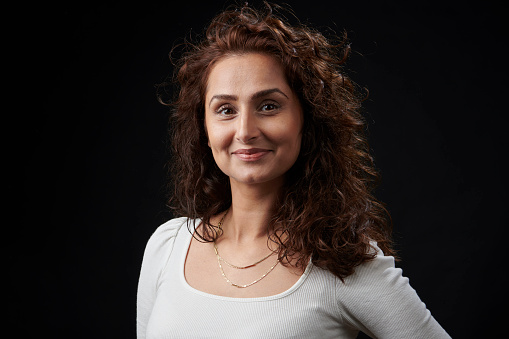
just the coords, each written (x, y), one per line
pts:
(247, 128)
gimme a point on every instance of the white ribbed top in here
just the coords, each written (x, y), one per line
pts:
(376, 299)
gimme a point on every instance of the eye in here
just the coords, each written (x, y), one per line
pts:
(225, 110)
(269, 107)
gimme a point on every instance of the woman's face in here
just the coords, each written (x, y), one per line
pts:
(252, 118)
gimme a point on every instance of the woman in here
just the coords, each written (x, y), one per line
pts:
(279, 236)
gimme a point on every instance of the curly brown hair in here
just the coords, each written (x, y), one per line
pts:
(327, 210)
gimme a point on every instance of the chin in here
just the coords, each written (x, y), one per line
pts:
(257, 179)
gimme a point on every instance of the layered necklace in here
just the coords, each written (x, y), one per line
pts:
(220, 259)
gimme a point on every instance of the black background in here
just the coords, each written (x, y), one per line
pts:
(90, 144)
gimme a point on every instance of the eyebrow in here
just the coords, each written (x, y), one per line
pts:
(255, 96)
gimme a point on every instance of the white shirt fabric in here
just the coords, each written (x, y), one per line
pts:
(376, 300)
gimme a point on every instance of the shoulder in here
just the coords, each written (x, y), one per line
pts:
(372, 284)
(378, 272)
(168, 230)
(374, 278)
(160, 244)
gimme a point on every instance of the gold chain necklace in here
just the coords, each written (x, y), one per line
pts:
(239, 267)
(247, 285)
(219, 259)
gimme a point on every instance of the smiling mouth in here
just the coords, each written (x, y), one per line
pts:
(251, 154)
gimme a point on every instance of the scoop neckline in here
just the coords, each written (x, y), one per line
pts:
(185, 248)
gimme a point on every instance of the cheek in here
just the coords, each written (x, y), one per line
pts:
(291, 133)
(212, 132)
(295, 135)
(218, 138)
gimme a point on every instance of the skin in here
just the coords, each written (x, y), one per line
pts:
(254, 124)
(249, 105)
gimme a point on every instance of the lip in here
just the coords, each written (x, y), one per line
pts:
(250, 154)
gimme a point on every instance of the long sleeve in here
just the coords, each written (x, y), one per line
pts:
(157, 253)
(379, 301)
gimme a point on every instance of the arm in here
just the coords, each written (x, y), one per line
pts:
(157, 253)
(379, 301)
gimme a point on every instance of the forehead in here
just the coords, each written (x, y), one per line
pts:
(245, 73)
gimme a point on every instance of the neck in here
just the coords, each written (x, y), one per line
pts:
(250, 213)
